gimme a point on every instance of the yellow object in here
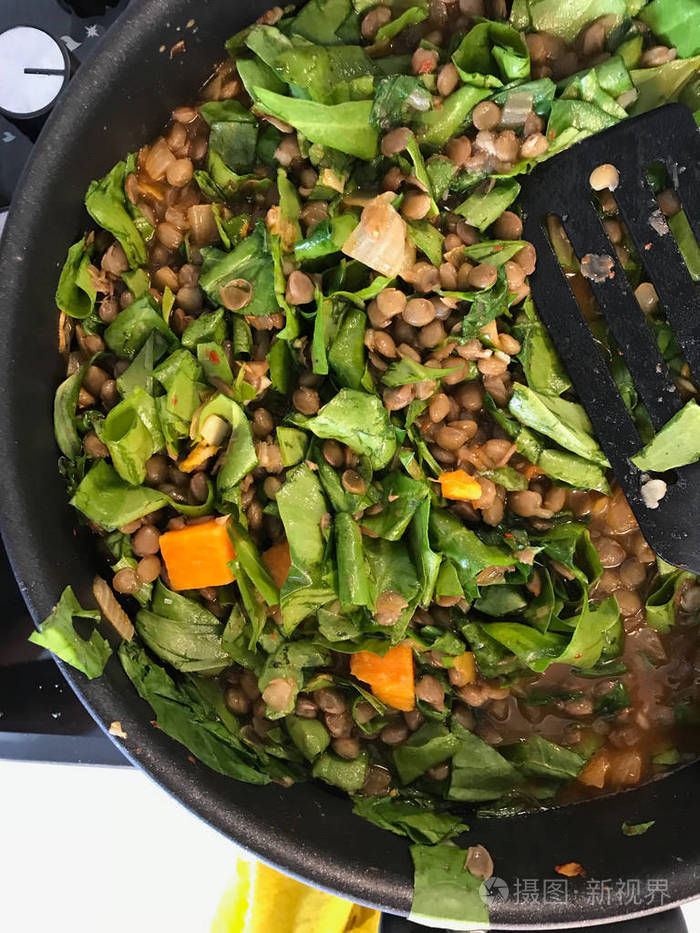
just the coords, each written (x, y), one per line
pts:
(464, 663)
(261, 900)
(458, 484)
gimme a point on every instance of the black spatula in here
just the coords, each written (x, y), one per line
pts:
(561, 187)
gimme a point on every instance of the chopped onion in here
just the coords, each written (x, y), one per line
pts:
(111, 609)
(516, 109)
(379, 240)
(202, 223)
(214, 430)
(419, 100)
(115, 728)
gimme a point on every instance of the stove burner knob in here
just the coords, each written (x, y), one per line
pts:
(35, 68)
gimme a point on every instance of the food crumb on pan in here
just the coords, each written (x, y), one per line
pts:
(115, 728)
(597, 267)
(571, 870)
(177, 49)
(653, 491)
(657, 221)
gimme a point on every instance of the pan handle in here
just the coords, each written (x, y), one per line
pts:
(669, 921)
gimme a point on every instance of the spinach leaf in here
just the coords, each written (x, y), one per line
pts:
(492, 659)
(563, 18)
(360, 421)
(253, 72)
(347, 775)
(540, 362)
(208, 328)
(401, 497)
(283, 367)
(687, 244)
(430, 745)
(426, 561)
(293, 445)
(289, 211)
(181, 377)
(490, 46)
(444, 891)
(134, 325)
(481, 209)
(398, 100)
(407, 370)
(410, 17)
(289, 662)
(636, 829)
(249, 558)
(106, 203)
(536, 757)
(326, 238)
(64, 411)
(346, 355)
(58, 635)
(327, 75)
(233, 134)
(467, 551)
(426, 238)
(479, 772)
(319, 20)
(345, 126)
(391, 571)
(678, 24)
(106, 499)
(661, 604)
(676, 444)
(250, 261)
(241, 457)
(413, 818)
(437, 126)
(542, 91)
(353, 584)
(562, 421)
(508, 477)
(132, 433)
(301, 507)
(322, 321)
(183, 714)
(212, 359)
(76, 294)
(183, 633)
(139, 373)
(540, 649)
(488, 304)
(309, 735)
(613, 701)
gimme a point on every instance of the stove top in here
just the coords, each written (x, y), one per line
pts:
(42, 44)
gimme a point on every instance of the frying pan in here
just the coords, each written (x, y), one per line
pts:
(116, 103)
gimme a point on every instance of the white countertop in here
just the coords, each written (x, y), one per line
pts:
(91, 849)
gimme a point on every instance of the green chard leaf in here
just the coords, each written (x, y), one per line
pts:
(676, 444)
(345, 126)
(360, 421)
(58, 635)
(76, 294)
(301, 507)
(661, 604)
(134, 325)
(413, 818)
(445, 892)
(250, 261)
(678, 24)
(132, 433)
(106, 203)
(482, 209)
(437, 126)
(398, 101)
(490, 46)
(636, 829)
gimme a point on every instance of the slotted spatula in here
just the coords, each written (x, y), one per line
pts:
(561, 187)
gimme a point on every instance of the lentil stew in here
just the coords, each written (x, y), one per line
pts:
(306, 387)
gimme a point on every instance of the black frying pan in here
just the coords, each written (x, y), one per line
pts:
(115, 104)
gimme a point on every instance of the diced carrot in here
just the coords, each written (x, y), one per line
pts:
(595, 772)
(198, 555)
(571, 870)
(465, 669)
(278, 561)
(390, 678)
(531, 471)
(459, 485)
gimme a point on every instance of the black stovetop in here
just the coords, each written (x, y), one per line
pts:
(42, 44)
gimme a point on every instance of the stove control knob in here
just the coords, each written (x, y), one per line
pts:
(34, 68)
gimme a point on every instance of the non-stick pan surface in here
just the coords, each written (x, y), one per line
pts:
(116, 103)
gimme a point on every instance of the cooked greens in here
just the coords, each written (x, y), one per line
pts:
(361, 524)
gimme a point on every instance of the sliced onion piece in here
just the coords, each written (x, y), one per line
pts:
(111, 609)
(516, 109)
(379, 240)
